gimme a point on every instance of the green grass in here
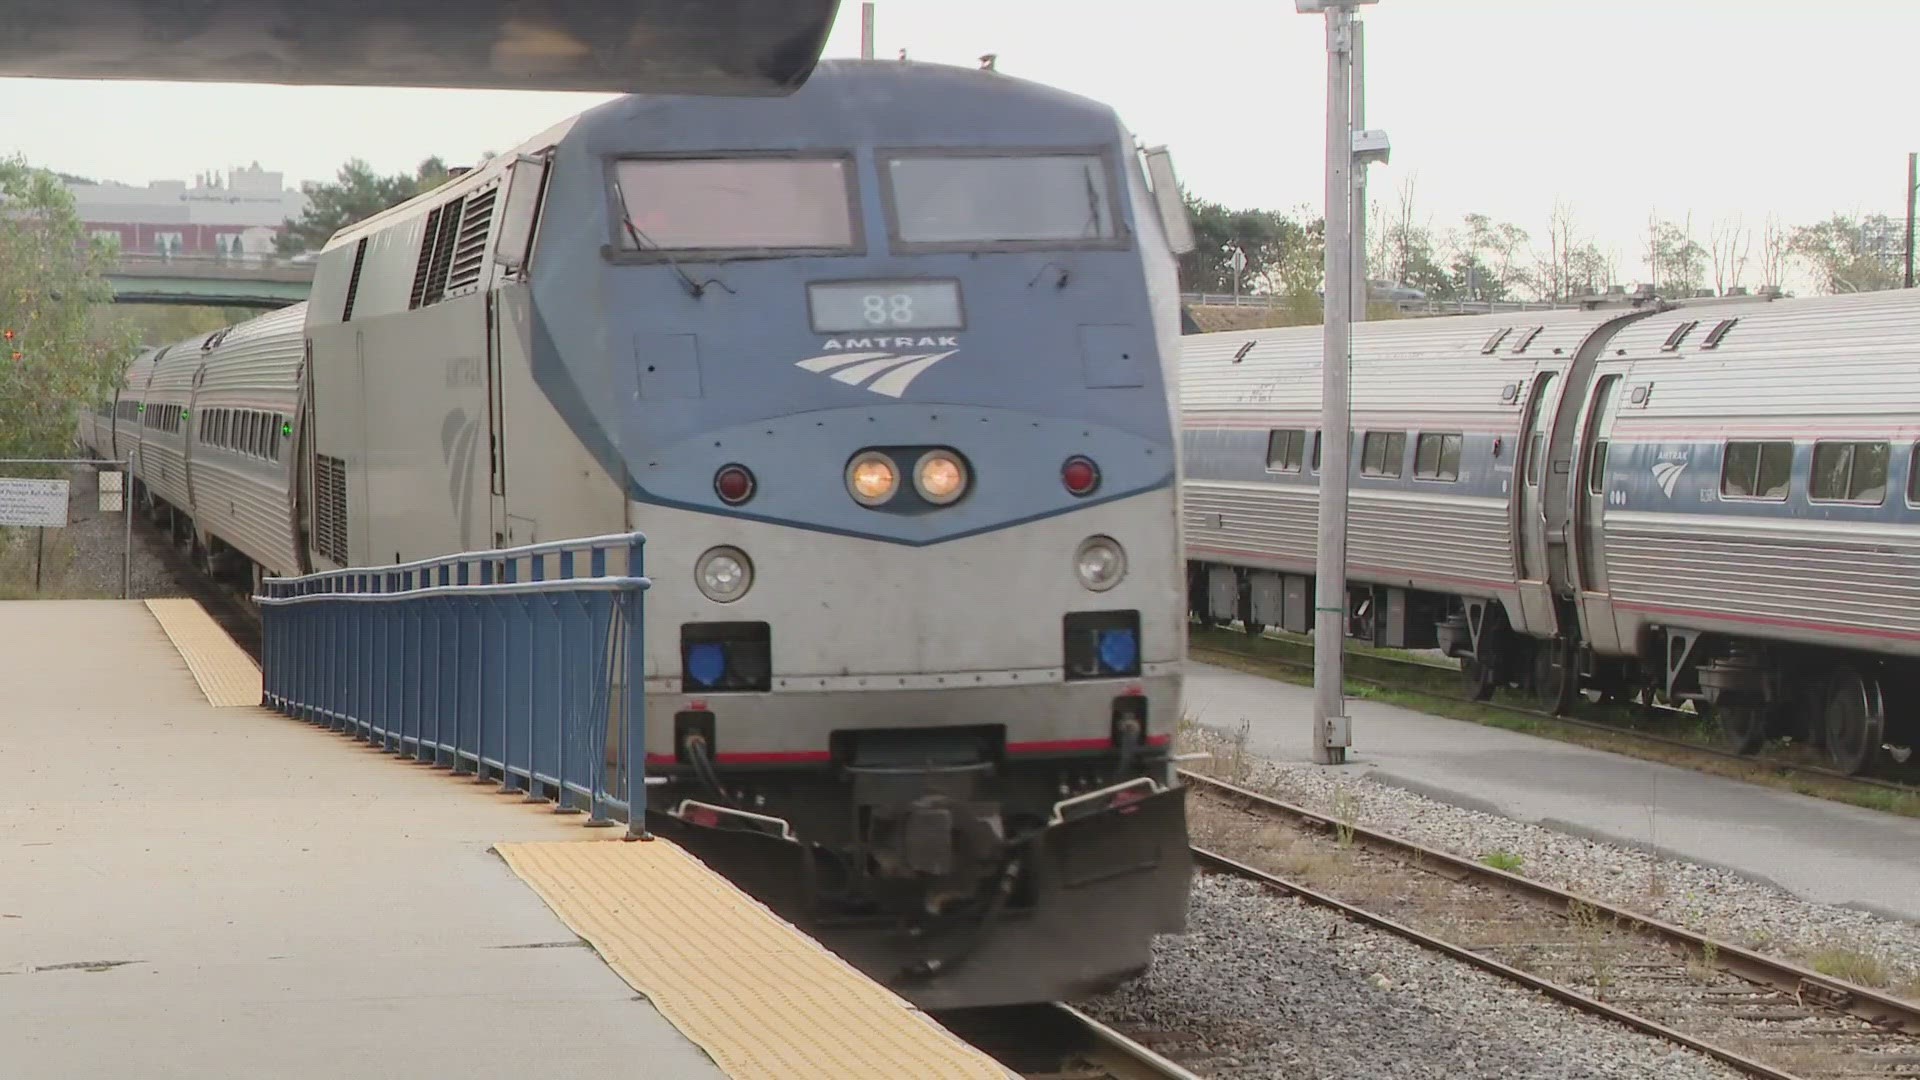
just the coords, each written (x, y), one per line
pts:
(1435, 695)
(1503, 860)
(1855, 967)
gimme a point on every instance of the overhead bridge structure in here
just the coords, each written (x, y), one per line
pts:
(228, 283)
(721, 47)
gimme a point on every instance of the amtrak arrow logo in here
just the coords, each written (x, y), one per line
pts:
(881, 372)
(1667, 474)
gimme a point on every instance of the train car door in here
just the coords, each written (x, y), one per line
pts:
(1536, 596)
(1597, 627)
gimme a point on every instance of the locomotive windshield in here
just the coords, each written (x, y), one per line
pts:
(953, 200)
(734, 204)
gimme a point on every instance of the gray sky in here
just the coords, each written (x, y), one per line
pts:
(1717, 107)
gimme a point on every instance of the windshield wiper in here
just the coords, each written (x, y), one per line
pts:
(643, 242)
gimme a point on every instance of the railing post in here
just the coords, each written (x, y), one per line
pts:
(633, 704)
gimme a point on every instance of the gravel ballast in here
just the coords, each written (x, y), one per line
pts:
(85, 559)
(1701, 898)
(1277, 988)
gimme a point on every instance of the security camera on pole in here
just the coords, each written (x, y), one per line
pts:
(1346, 148)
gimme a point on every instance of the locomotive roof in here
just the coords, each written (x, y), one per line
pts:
(846, 103)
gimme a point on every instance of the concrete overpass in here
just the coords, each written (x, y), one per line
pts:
(209, 282)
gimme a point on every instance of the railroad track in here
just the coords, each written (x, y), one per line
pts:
(1058, 1042)
(1429, 672)
(1764, 1016)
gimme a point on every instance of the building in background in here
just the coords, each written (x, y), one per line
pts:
(235, 217)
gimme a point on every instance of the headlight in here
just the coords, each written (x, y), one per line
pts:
(940, 478)
(724, 574)
(1100, 562)
(872, 479)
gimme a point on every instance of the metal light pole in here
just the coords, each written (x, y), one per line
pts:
(1358, 103)
(1331, 730)
(866, 31)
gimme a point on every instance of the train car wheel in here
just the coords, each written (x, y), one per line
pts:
(1554, 676)
(1478, 677)
(1856, 720)
(1745, 727)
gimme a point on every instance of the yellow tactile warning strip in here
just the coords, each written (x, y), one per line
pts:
(226, 674)
(761, 998)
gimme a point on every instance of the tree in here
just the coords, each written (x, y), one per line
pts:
(1401, 249)
(53, 361)
(1273, 243)
(1675, 262)
(356, 195)
(1775, 246)
(1848, 254)
(1491, 251)
(1730, 242)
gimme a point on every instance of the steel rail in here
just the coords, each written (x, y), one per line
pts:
(1054, 1039)
(1883, 1010)
(1587, 725)
(1222, 864)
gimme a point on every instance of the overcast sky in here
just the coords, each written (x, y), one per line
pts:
(1618, 107)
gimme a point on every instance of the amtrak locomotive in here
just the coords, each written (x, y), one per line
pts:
(1716, 503)
(885, 370)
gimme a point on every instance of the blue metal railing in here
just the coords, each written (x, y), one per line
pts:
(508, 665)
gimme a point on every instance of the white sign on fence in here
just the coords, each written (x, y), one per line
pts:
(33, 502)
(109, 492)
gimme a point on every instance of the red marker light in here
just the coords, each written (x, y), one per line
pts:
(1080, 475)
(734, 484)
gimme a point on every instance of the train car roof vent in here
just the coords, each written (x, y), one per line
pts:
(1244, 350)
(1713, 337)
(1679, 334)
(1526, 339)
(1494, 341)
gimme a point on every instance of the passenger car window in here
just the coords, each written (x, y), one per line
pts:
(1849, 472)
(953, 199)
(1383, 453)
(1757, 470)
(1284, 450)
(1437, 457)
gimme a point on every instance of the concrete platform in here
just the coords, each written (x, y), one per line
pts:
(1823, 851)
(193, 891)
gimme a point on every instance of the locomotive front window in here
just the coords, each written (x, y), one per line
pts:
(952, 200)
(734, 204)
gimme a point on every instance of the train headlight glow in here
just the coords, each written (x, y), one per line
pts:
(872, 479)
(1100, 562)
(940, 478)
(724, 574)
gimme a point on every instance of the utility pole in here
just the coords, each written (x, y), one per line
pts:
(1913, 180)
(1331, 731)
(1359, 106)
(866, 31)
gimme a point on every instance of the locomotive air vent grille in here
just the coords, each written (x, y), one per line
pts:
(428, 241)
(1494, 341)
(353, 283)
(470, 252)
(436, 289)
(330, 508)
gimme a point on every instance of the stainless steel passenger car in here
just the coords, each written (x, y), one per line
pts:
(885, 371)
(1717, 503)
